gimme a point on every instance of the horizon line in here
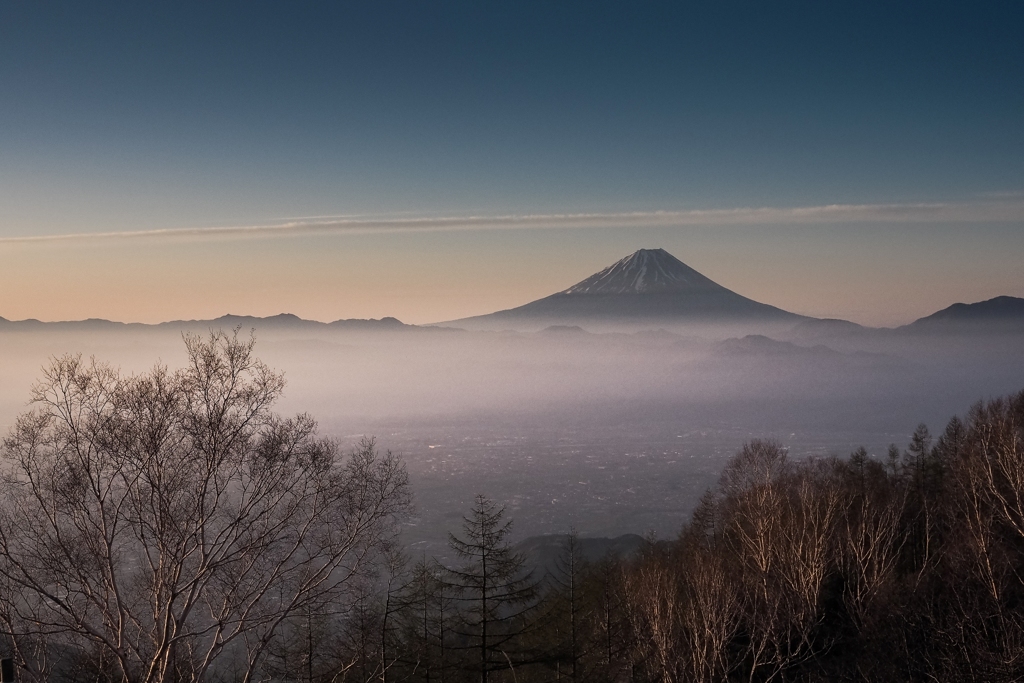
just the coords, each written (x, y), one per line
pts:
(436, 325)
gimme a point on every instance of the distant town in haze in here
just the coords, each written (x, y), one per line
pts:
(468, 343)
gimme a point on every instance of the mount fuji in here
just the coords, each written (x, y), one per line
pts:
(650, 287)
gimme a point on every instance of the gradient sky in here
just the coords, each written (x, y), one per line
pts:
(430, 160)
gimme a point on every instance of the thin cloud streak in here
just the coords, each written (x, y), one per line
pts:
(972, 212)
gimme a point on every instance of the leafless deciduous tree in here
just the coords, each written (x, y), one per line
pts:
(711, 598)
(169, 523)
(987, 483)
(871, 536)
(781, 528)
(653, 605)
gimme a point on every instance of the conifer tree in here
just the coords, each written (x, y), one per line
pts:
(495, 590)
(426, 615)
(568, 579)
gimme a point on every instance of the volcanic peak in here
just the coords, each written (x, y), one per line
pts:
(644, 271)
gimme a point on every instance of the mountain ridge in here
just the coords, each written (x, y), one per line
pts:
(650, 286)
(281, 320)
(1000, 310)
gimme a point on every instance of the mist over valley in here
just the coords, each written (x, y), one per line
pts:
(612, 414)
(531, 342)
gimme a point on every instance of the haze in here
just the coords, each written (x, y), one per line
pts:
(651, 341)
(436, 161)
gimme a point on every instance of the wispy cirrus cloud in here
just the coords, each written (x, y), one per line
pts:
(1010, 209)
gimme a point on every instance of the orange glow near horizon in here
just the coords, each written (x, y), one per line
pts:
(876, 276)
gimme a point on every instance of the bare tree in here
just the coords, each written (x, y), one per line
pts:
(653, 602)
(781, 523)
(996, 458)
(754, 494)
(171, 520)
(808, 551)
(871, 535)
(711, 601)
(988, 494)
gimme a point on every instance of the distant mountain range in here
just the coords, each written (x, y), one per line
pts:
(227, 322)
(648, 287)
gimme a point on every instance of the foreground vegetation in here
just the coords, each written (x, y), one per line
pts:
(170, 527)
(906, 568)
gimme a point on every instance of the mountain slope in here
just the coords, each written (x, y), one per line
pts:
(1002, 311)
(648, 287)
(646, 271)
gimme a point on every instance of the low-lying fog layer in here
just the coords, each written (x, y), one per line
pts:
(611, 432)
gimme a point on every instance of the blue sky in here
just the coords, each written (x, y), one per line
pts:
(137, 117)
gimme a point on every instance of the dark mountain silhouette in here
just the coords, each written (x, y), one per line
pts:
(283, 321)
(79, 325)
(765, 352)
(286, 321)
(827, 327)
(650, 287)
(1000, 312)
(760, 345)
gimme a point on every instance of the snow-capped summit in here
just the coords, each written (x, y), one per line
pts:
(646, 270)
(650, 288)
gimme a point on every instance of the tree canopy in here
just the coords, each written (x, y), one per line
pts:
(165, 525)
